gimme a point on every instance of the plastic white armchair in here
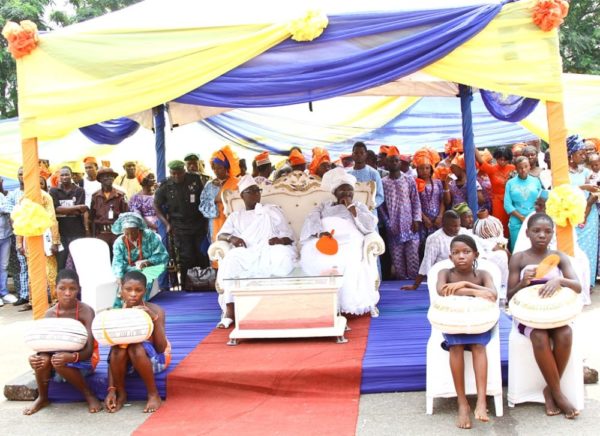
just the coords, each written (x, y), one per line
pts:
(525, 380)
(92, 262)
(439, 383)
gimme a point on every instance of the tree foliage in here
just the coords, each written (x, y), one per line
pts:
(47, 15)
(580, 38)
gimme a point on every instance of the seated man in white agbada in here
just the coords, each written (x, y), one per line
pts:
(349, 221)
(263, 245)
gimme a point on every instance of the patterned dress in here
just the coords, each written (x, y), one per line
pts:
(587, 235)
(431, 199)
(402, 206)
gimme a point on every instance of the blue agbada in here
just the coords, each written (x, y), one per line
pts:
(124, 258)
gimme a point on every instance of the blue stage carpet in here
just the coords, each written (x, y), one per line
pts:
(190, 318)
(394, 360)
(396, 349)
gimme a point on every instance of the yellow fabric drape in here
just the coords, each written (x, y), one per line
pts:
(73, 80)
(511, 55)
(581, 108)
(36, 258)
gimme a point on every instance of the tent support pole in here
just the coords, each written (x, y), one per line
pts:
(466, 96)
(36, 257)
(159, 141)
(557, 133)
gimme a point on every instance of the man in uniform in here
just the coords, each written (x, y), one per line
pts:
(176, 203)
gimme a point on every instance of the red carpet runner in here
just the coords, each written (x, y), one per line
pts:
(274, 387)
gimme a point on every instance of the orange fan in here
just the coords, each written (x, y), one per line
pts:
(327, 244)
(546, 265)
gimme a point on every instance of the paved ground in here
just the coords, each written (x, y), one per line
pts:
(380, 414)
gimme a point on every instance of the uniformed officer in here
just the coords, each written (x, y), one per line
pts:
(176, 204)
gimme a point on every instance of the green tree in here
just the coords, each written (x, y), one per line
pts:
(580, 38)
(36, 11)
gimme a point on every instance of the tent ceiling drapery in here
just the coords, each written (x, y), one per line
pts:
(157, 58)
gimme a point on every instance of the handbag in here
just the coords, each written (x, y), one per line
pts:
(201, 279)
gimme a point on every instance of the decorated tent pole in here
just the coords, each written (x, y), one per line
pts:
(159, 141)
(557, 133)
(466, 96)
(36, 258)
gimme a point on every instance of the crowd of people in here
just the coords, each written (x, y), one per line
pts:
(421, 212)
(420, 205)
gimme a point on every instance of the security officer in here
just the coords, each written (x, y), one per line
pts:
(176, 203)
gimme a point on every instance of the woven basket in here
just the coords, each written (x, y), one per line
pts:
(122, 326)
(56, 334)
(530, 309)
(461, 314)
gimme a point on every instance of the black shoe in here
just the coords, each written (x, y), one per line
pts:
(20, 302)
(26, 308)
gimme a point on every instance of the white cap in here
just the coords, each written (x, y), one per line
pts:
(336, 177)
(245, 182)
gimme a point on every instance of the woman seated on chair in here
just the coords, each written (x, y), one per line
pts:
(465, 279)
(551, 347)
(137, 248)
(351, 221)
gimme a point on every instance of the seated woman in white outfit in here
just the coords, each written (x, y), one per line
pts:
(263, 241)
(350, 221)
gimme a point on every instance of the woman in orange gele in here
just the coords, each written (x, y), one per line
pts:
(321, 162)
(225, 165)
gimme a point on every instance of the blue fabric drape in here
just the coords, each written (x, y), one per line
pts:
(355, 52)
(159, 143)
(511, 108)
(110, 132)
(466, 97)
(430, 121)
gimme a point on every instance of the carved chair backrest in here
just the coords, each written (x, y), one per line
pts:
(297, 194)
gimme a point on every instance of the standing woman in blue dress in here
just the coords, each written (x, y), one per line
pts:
(519, 198)
(587, 233)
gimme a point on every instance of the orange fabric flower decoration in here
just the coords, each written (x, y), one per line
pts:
(454, 145)
(549, 14)
(327, 244)
(22, 38)
(420, 184)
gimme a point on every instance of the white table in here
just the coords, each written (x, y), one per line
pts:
(295, 306)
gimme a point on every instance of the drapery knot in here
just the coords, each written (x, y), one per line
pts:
(30, 218)
(22, 38)
(566, 205)
(549, 14)
(308, 27)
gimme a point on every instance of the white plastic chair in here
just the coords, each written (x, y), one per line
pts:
(439, 377)
(92, 262)
(525, 380)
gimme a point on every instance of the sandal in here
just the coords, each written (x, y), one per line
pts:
(225, 323)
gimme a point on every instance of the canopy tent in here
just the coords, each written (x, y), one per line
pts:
(143, 56)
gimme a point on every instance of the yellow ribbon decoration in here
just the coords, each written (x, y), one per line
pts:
(30, 219)
(309, 27)
(566, 204)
